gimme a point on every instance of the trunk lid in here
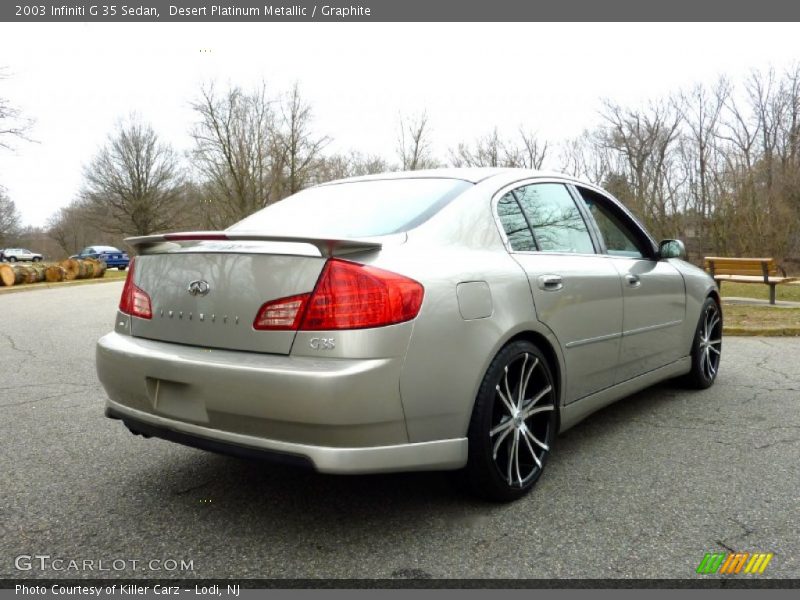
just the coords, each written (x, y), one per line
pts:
(236, 284)
(232, 275)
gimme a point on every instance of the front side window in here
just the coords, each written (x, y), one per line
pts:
(558, 225)
(618, 236)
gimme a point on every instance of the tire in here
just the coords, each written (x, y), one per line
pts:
(122, 268)
(507, 454)
(706, 347)
(36, 259)
(12, 259)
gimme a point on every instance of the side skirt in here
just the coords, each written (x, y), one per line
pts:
(575, 412)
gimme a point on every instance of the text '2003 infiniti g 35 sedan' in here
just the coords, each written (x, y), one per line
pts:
(431, 320)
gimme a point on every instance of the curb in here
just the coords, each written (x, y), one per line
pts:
(741, 301)
(761, 331)
(30, 287)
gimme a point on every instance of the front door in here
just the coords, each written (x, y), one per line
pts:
(653, 291)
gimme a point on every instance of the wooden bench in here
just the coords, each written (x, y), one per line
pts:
(747, 270)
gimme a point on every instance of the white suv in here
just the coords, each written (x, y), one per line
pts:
(15, 254)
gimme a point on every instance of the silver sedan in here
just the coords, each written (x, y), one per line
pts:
(430, 320)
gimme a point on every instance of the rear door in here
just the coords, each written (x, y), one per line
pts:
(654, 294)
(576, 292)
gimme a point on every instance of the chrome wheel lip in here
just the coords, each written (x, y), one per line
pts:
(710, 342)
(523, 404)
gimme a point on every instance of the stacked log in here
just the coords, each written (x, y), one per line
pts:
(67, 271)
(10, 275)
(99, 266)
(75, 269)
(54, 273)
(35, 273)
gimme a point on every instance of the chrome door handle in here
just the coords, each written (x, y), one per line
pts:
(550, 283)
(633, 280)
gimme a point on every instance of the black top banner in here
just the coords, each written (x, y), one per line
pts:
(401, 10)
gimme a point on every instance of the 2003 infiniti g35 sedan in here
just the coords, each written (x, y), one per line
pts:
(446, 319)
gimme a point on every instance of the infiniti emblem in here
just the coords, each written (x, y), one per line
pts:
(199, 287)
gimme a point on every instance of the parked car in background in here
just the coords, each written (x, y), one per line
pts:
(445, 319)
(113, 257)
(20, 254)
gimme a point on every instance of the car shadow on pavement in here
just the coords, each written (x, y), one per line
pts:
(184, 476)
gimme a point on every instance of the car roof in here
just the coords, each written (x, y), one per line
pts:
(470, 174)
(105, 248)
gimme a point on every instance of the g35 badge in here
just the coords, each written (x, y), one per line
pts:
(322, 343)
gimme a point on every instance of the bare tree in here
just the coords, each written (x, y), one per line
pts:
(486, 151)
(493, 151)
(644, 143)
(414, 143)
(12, 123)
(584, 158)
(353, 164)
(530, 153)
(702, 109)
(10, 220)
(238, 152)
(134, 184)
(299, 147)
(791, 126)
(73, 227)
(368, 164)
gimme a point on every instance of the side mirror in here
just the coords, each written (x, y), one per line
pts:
(671, 249)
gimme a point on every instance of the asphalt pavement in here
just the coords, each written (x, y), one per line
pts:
(642, 489)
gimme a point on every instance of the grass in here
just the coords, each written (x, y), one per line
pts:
(760, 320)
(114, 274)
(743, 319)
(785, 291)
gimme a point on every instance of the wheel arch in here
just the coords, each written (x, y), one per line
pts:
(549, 351)
(714, 293)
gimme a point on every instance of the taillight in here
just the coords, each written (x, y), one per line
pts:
(283, 314)
(134, 300)
(347, 296)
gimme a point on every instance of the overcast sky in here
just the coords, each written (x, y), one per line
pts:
(78, 80)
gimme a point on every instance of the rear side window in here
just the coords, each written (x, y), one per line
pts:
(356, 209)
(558, 225)
(515, 224)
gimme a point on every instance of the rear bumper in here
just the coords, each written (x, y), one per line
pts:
(425, 456)
(341, 415)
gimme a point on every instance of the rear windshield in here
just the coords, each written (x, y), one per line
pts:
(356, 209)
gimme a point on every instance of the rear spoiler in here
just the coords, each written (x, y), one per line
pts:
(153, 244)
